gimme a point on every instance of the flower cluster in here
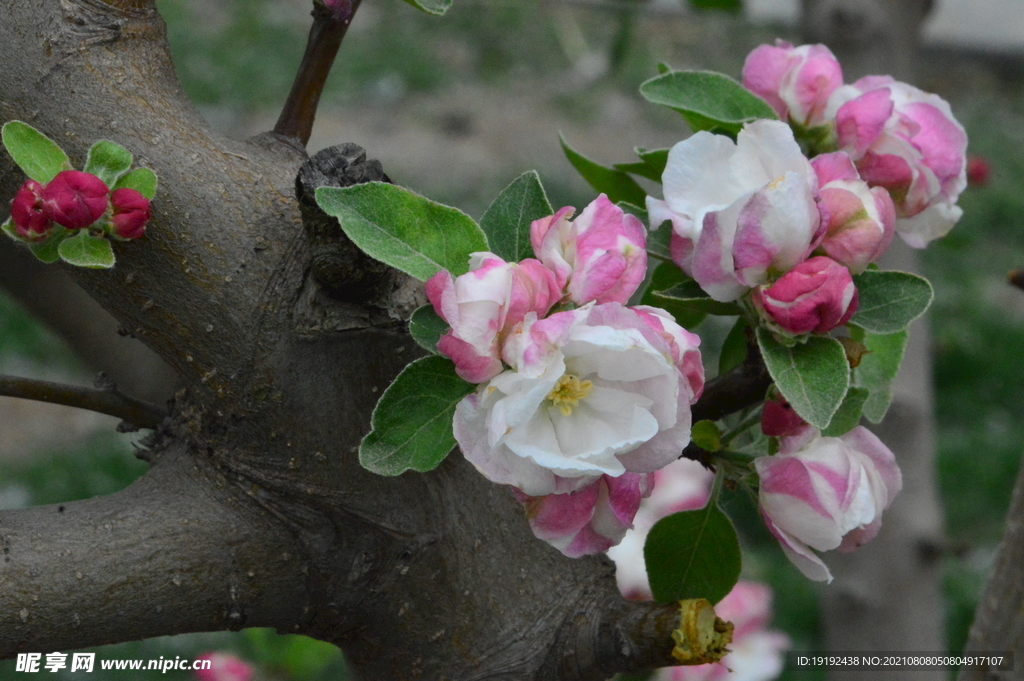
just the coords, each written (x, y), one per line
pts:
(580, 396)
(75, 200)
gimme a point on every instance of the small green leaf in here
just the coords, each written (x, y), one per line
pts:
(659, 239)
(651, 165)
(108, 161)
(435, 7)
(36, 154)
(734, 347)
(412, 422)
(812, 376)
(507, 222)
(889, 301)
(426, 327)
(706, 435)
(847, 417)
(636, 211)
(142, 180)
(9, 229)
(690, 294)
(878, 369)
(693, 554)
(719, 5)
(616, 184)
(48, 251)
(707, 100)
(666, 275)
(403, 229)
(86, 250)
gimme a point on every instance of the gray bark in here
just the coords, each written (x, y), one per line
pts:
(255, 511)
(889, 598)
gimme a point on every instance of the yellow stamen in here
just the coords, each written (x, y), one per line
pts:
(568, 392)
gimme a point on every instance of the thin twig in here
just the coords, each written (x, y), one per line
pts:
(325, 36)
(110, 402)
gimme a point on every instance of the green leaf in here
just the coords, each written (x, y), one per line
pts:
(435, 7)
(108, 161)
(720, 5)
(142, 180)
(426, 327)
(693, 554)
(35, 153)
(707, 100)
(878, 369)
(706, 435)
(689, 294)
(666, 275)
(847, 417)
(86, 250)
(616, 184)
(658, 240)
(651, 165)
(403, 229)
(48, 251)
(889, 301)
(412, 422)
(734, 347)
(812, 376)
(507, 222)
(9, 229)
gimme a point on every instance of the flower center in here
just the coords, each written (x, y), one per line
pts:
(568, 392)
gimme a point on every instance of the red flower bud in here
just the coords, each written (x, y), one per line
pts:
(978, 170)
(131, 212)
(816, 296)
(30, 220)
(779, 419)
(75, 199)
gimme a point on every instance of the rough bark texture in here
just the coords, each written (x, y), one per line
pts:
(255, 511)
(889, 599)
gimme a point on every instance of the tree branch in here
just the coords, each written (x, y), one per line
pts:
(104, 401)
(325, 36)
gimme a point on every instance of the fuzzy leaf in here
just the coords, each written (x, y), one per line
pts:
(507, 222)
(108, 161)
(734, 347)
(411, 426)
(707, 100)
(435, 7)
(142, 180)
(403, 229)
(812, 376)
(426, 328)
(86, 250)
(665, 276)
(651, 164)
(847, 417)
(36, 154)
(878, 369)
(889, 301)
(616, 184)
(689, 293)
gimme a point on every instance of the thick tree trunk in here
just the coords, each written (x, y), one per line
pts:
(256, 511)
(889, 599)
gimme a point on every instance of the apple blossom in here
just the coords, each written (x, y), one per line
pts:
(591, 519)
(816, 296)
(592, 391)
(860, 220)
(75, 199)
(27, 212)
(795, 81)
(739, 210)
(824, 493)
(224, 667)
(907, 141)
(130, 213)
(600, 256)
(482, 305)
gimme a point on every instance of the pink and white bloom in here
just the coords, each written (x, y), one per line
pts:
(591, 519)
(593, 391)
(816, 296)
(483, 305)
(224, 667)
(859, 220)
(795, 81)
(739, 210)
(907, 141)
(823, 493)
(600, 256)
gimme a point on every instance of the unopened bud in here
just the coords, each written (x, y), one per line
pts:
(75, 199)
(131, 212)
(27, 212)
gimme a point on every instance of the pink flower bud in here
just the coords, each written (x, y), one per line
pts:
(779, 419)
(599, 257)
(796, 81)
(589, 520)
(75, 199)
(826, 493)
(978, 171)
(816, 296)
(131, 213)
(27, 213)
(224, 667)
(860, 220)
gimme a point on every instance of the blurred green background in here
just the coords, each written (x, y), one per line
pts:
(458, 106)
